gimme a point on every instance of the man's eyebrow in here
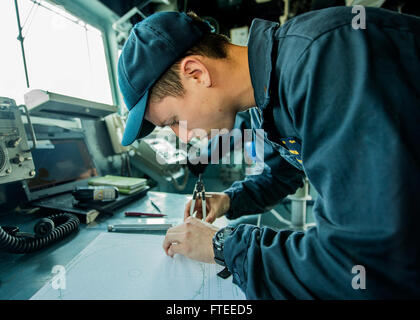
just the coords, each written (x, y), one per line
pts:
(168, 122)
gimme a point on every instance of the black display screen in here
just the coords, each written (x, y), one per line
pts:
(61, 161)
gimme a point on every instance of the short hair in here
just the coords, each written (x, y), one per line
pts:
(212, 45)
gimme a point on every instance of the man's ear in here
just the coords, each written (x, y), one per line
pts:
(192, 68)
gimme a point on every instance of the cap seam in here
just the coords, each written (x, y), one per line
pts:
(162, 35)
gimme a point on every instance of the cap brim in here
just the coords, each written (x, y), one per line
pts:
(136, 126)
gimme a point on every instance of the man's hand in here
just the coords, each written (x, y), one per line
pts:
(192, 239)
(216, 206)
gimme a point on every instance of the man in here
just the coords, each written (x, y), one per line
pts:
(339, 104)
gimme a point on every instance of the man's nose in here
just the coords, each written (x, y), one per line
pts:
(185, 135)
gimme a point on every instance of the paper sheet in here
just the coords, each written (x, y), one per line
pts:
(134, 266)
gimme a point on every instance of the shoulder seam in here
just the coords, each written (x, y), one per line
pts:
(340, 26)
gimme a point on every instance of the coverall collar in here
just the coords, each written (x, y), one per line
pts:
(260, 44)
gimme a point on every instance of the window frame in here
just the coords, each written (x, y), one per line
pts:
(99, 16)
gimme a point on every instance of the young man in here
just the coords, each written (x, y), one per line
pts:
(338, 104)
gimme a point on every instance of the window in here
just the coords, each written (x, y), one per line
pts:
(63, 54)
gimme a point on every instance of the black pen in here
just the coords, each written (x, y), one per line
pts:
(155, 206)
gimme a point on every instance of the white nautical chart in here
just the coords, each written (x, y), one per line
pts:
(134, 266)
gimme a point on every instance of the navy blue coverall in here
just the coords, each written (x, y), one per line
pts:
(342, 106)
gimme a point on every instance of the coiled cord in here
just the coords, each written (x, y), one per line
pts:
(64, 224)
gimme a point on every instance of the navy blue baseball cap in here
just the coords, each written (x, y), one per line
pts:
(153, 45)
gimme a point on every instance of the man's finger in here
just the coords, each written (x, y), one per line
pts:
(197, 209)
(210, 218)
(198, 214)
(172, 237)
(179, 248)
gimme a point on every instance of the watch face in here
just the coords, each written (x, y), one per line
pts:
(218, 243)
(227, 231)
(223, 234)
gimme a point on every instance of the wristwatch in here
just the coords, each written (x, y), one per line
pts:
(218, 244)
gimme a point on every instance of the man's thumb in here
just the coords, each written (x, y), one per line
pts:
(210, 217)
